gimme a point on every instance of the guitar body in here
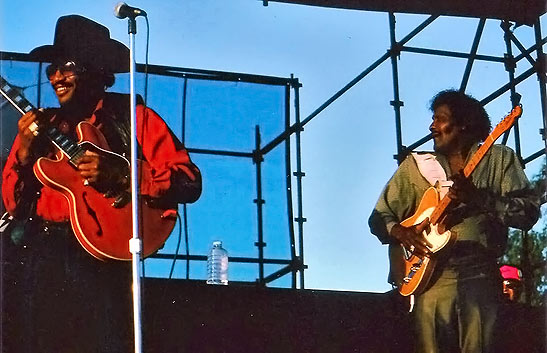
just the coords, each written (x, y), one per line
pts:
(102, 229)
(411, 273)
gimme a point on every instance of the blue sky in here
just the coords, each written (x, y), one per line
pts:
(348, 149)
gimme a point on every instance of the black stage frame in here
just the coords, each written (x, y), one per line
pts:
(511, 14)
(489, 10)
(295, 264)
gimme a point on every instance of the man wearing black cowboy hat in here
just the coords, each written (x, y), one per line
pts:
(65, 300)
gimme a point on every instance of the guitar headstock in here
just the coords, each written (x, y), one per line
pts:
(506, 123)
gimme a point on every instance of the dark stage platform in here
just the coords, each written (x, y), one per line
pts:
(189, 316)
(195, 317)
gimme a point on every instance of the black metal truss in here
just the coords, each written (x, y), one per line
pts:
(397, 47)
(509, 60)
(295, 264)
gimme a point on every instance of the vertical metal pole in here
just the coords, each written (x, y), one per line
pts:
(396, 102)
(299, 174)
(184, 94)
(135, 243)
(541, 69)
(472, 54)
(510, 67)
(257, 158)
(288, 179)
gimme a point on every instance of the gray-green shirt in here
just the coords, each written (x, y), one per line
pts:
(508, 200)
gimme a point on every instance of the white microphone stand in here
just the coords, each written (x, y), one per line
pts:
(135, 244)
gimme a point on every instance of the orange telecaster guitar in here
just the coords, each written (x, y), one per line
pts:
(411, 273)
(101, 220)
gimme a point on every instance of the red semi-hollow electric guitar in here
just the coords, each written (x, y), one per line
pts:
(100, 219)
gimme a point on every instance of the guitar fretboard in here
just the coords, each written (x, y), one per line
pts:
(66, 145)
(14, 96)
(503, 126)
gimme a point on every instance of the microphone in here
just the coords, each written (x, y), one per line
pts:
(122, 10)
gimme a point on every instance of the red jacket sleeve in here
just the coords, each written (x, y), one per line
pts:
(169, 166)
(11, 180)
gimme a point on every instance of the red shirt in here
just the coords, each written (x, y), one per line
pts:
(167, 161)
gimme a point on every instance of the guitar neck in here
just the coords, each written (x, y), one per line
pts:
(467, 170)
(14, 96)
(437, 215)
(477, 157)
(502, 127)
(66, 145)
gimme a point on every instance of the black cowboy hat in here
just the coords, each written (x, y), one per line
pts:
(87, 42)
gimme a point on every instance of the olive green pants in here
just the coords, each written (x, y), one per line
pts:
(458, 313)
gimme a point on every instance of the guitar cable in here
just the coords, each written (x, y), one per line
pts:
(146, 77)
(178, 244)
(180, 222)
(154, 315)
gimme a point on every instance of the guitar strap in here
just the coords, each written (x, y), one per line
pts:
(115, 116)
(432, 171)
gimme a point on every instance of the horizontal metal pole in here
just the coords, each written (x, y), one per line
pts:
(276, 141)
(452, 54)
(220, 152)
(278, 274)
(534, 156)
(295, 265)
(507, 86)
(296, 126)
(216, 75)
(420, 142)
(185, 72)
(231, 259)
(529, 50)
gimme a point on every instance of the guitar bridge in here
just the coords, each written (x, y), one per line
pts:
(415, 267)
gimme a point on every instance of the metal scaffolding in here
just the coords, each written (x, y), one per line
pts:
(293, 264)
(294, 127)
(530, 15)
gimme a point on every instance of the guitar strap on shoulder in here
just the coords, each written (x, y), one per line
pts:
(115, 116)
(432, 171)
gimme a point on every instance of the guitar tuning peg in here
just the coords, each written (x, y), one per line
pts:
(515, 99)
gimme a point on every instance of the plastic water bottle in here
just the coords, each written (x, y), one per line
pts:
(217, 264)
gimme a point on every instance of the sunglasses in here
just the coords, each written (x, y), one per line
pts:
(66, 69)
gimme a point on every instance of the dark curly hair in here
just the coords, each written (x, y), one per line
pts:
(466, 111)
(100, 77)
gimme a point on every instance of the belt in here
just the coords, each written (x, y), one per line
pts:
(50, 227)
